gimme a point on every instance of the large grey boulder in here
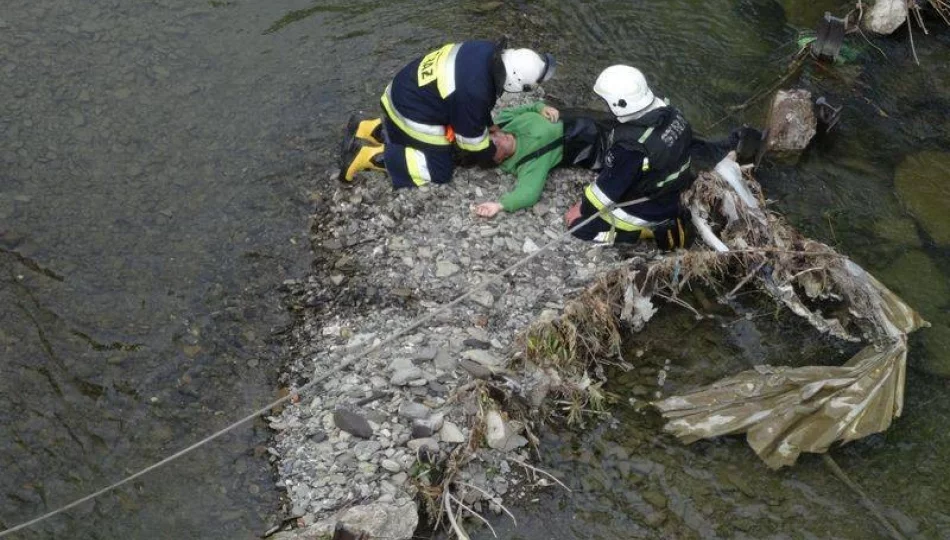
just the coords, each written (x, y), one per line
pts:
(885, 16)
(792, 122)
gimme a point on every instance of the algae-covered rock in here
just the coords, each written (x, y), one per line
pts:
(915, 277)
(899, 231)
(936, 340)
(918, 280)
(923, 184)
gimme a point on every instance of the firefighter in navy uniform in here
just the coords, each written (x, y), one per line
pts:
(647, 164)
(438, 101)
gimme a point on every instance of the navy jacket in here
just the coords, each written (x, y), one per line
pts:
(453, 88)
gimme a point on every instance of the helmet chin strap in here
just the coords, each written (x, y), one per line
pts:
(654, 105)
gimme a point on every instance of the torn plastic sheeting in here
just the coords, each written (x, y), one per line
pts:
(785, 411)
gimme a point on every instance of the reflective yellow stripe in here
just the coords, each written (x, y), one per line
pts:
(439, 66)
(473, 144)
(617, 217)
(447, 72)
(418, 168)
(429, 134)
(646, 135)
(675, 175)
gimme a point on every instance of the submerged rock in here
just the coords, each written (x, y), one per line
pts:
(925, 288)
(792, 122)
(922, 184)
(936, 342)
(899, 231)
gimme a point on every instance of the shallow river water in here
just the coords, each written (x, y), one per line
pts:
(157, 160)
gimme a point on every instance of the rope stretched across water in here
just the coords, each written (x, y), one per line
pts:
(350, 360)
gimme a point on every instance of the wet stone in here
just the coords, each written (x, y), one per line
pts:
(427, 354)
(529, 246)
(655, 498)
(483, 298)
(427, 427)
(391, 466)
(475, 369)
(352, 423)
(424, 443)
(414, 410)
(451, 433)
(482, 357)
(445, 269)
(406, 376)
(473, 343)
(445, 361)
(792, 122)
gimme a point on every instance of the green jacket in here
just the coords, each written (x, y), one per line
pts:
(533, 132)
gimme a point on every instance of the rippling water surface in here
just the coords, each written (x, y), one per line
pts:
(157, 160)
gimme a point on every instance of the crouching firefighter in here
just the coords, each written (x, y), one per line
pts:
(436, 104)
(636, 194)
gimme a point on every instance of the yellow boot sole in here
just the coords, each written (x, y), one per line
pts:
(366, 128)
(358, 157)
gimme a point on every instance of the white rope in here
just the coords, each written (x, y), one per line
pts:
(313, 382)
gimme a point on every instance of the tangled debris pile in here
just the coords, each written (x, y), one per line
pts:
(784, 411)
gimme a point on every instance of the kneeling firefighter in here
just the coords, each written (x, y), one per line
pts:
(442, 99)
(636, 194)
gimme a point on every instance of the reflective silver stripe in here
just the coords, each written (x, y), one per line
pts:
(471, 141)
(447, 76)
(423, 166)
(606, 237)
(618, 213)
(425, 129)
(418, 167)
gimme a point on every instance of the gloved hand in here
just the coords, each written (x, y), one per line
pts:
(674, 234)
(748, 143)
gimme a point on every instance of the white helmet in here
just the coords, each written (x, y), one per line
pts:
(525, 69)
(624, 89)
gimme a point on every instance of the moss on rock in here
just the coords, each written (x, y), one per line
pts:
(918, 280)
(936, 340)
(923, 184)
(898, 231)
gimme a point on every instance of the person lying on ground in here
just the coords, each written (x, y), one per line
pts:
(532, 139)
(443, 98)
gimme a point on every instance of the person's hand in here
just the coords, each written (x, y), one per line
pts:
(573, 214)
(550, 113)
(487, 209)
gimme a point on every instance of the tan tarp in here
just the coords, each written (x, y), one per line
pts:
(785, 411)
